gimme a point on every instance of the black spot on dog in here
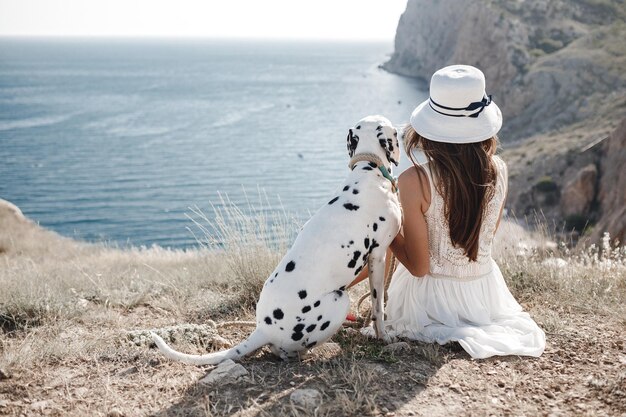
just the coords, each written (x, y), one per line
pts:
(282, 328)
(278, 314)
(366, 242)
(298, 328)
(358, 270)
(339, 293)
(319, 318)
(351, 207)
(302, 294)
(346, 188)
(375, 226)
(268, 320)
(311, 328)
(275, 275)
(374, 245)
(299, 319)
(355, 191)
(355, 257)
(306, 309)
(333, 200)
(358, 127)
(238, 351)
(367, 168)
(379, 127)
(351, 242)
(342, 288)
(374, 293)
(378, 135)
(342, 246)
(382, 219)
(310, 345)
(297, 336)
(290, 266)
(317, 303)
(325, 325)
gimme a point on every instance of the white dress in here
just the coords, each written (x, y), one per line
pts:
(459, 300)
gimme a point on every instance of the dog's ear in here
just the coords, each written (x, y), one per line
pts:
(353, 141)
(388, 139)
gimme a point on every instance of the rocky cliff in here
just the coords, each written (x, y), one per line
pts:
(556, 69)
(548, 63)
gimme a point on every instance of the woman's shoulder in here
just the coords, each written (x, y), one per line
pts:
(414, 182)
(500, 165)
(413, 175)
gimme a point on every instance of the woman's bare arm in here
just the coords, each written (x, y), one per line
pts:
(411, 245)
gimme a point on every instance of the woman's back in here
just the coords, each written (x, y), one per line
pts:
(448, 260)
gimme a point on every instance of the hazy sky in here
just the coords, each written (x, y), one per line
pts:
(327, 19)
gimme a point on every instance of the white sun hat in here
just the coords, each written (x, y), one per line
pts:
(458, 109)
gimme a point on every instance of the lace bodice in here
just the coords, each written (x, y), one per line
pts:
(445, 259)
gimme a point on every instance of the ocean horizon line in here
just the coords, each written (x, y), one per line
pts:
(190, 39)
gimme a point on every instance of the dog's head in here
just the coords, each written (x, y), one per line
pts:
(375, 134)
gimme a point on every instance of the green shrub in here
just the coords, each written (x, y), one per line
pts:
(546, 184)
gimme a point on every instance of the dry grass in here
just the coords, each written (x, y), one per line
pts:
(66, 309)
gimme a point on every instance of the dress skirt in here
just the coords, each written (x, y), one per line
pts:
(479, 313)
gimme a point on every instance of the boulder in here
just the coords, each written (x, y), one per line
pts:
(578, 194)
(611, 196)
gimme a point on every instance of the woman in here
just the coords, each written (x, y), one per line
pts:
(447, 286)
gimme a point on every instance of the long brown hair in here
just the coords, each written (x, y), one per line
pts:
(466, 179)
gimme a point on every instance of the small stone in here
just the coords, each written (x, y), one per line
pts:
(306, 398)
(81, 392)
(115, 413)
(128, 371)
(40, 405)
(328, 349)
(397, 347)
(4, 374)
(225, 373)
(82, 303)
(456, 388)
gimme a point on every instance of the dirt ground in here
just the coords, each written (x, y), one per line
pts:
(582, 373)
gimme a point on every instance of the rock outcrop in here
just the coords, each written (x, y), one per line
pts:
(579, 193)
(612, 189)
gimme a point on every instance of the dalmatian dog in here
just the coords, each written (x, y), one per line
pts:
(303, 302)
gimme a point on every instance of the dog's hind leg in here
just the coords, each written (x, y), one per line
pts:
(256, 340)
(376, 266)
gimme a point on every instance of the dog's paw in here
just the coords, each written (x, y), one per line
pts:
(386, 338)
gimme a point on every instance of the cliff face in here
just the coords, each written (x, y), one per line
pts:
(556, 69)
(611, 195)
(548, 63)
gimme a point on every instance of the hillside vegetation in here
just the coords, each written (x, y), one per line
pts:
(69, 312)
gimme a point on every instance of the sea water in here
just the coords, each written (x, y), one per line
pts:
(115, 140)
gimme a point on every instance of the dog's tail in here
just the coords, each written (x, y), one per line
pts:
(256, 340)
